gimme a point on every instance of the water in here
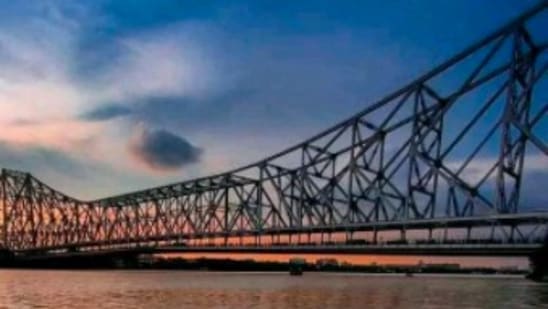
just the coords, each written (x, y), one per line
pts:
(178, 289)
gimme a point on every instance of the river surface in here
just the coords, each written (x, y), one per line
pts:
(180, 289)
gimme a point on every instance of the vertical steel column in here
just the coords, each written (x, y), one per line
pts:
(424, 154)
(4, 209)
(516, 114)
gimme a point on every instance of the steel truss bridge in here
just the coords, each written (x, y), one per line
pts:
(439, 166)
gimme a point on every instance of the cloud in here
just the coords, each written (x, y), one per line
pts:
(171, 61)
(74, 175)
(33, 158)
(106, 112)
(23, 122)
(533, 183)
(33, 79)
(41, 91)
(477, 169)
(38, 96)
(163, 150)
(61, 170)
(275, 84)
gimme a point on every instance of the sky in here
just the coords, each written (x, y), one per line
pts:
(102, 97)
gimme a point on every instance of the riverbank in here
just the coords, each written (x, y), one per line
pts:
(232, 265)
(328, 265)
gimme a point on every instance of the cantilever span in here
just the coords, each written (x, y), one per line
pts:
(441, 160)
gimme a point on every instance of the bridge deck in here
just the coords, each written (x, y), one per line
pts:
(515, 250)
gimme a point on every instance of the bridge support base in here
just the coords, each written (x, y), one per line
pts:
(539, 265)
(102, 261)
(6, 258)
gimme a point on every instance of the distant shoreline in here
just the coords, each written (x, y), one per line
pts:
(231, 266)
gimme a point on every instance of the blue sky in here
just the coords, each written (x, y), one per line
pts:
(100, 97)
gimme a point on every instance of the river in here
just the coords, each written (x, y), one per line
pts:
(182, 289)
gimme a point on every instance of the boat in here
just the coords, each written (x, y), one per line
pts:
(296, 266)
(295, 271)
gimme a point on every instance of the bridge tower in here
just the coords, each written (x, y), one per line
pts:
(539, 263)
(3, 226)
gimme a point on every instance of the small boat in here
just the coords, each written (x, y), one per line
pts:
(296, 266)
(295, 271)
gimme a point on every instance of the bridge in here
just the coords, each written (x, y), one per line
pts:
(437, 167)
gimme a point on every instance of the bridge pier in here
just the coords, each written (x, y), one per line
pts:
(6, 258)
(122, 260)
(539, 264)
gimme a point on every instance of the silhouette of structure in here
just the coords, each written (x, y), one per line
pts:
(436, 167)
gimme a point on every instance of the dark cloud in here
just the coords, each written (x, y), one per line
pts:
(106, 112)
(163, 150)
(76, 176)
(21, 122)
(176, 112)
(31, 159)
(186, 113)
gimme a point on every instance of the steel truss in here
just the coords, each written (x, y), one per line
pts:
(408, 160)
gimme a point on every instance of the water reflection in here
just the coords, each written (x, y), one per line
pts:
(172, 289)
